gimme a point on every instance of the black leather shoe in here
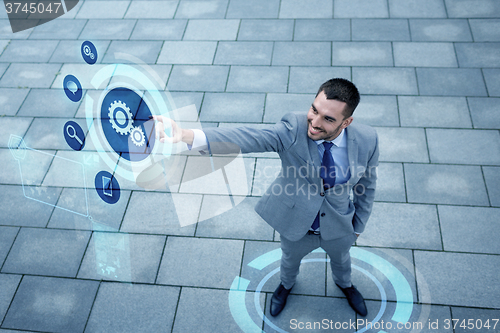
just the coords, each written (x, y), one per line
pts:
(355, 299)
(278, 301)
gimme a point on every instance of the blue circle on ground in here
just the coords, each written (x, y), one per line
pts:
(89, 52)
(74, 135)
(72, 88)
(107, 187)
(126, 123)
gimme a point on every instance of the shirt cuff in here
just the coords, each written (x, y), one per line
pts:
(199, 141)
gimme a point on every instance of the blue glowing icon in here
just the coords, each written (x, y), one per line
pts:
(72, 88)
(89, 52)
(74, 135)
(107, 187)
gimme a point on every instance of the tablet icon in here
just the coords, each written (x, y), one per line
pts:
(72, 88)
(74, 135)
(107, 187)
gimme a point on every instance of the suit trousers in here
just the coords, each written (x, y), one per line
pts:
(337, 250)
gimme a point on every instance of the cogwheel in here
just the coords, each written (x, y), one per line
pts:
(137, 136)
(120, 117)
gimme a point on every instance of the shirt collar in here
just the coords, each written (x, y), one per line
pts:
(339, 141)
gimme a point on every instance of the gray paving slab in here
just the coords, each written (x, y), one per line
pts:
(58, 29)
(266, 171)
(362, 54)
(7, 236)
(440, 30)
(266, 30)
(258, 79)
(244, 53)
(377, 111)
(146, 51)
(133, 308)
(478, 54)
(277, 105)
(460, 235)
(108, 29)
(84, 73)
(254, 9)
(211, 29)
(411, 54)
(438, 269)
(417, 8)
(236, 107)
(451, 82)
(360, 9)
(309, 79)
(152, 9)
(213, 262)
(390, 183)
(6, 31)
(491, 76)
(470, 9)
(385, 80)
(51, 304)
(31, 169)
(380, 30)
(198, 78)
(186, 52)
(47, 252)
(302, 54)
(450, 146)
(8, 284)
(103, 9)
(47, 103)
(164, 218)
(321, 30)
(183, 99)
(29, 75)
(47, 133)
(146, 29)
(310, 9)
(479, 318)
(428, 111)
(492, 178)
(69, 51)
(202, 9)
(485, 30)
(13, 125)
(399, 144)
(161, 72)
(445, 184)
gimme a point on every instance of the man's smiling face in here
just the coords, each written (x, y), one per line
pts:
(326, 118)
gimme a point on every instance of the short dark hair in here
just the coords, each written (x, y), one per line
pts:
(341, 90)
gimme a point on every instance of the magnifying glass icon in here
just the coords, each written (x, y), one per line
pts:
(73, 136)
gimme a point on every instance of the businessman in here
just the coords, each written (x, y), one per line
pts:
(325, 158)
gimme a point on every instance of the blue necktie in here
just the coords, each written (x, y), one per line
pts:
(327, 172)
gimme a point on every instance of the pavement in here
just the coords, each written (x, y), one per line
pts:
(428, 72)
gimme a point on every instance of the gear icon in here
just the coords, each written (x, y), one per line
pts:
(120, 117)
(137, 136)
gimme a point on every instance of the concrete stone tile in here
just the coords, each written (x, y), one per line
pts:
(479, 318)
(470, 9)
(84, 73)
(402, 225)
(31, 169)
(362, 54)
(309, 9)
(11, 100)
(232, 107)
(158, 80)
(159, 29)
(424, 54)
(7, 236)
(213, 262)
(48, 103)
(451, 82)
(440, 30)
(244, 53)
(420, 111)
(183, 52)
(390, 183)
(47, 252)
(152, 9)
(164, 218)
(132, 308)
(377, 111)
(28, 51)
(417, 8)
(29, 75)
(129, 257)
(257, 79)
(69, 51)
(402, 144)
(321, 30)
(478, 54)
(239, 222)
(13, 125)
(277, 105)
(47, 133)
(253, 250)
(485, 30)
(266, 171)
(492, 178)
(184, 99)
(211, 29)
(302, 54)
(445, 184)
(202, 9)
(492, 78)
(449, 146)
(255, 9)
(51, 304)
(6, 31)
(460, 235)
(266, 30)
(146, 51)
(438, 270)
(385, 81)
(309, 79)
(360, 9)
(108, 29)
(103, 9)
(58, 29)
(8, 286)
(380, 30)
(198, 78)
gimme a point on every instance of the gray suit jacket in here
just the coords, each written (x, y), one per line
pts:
(292, 202)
